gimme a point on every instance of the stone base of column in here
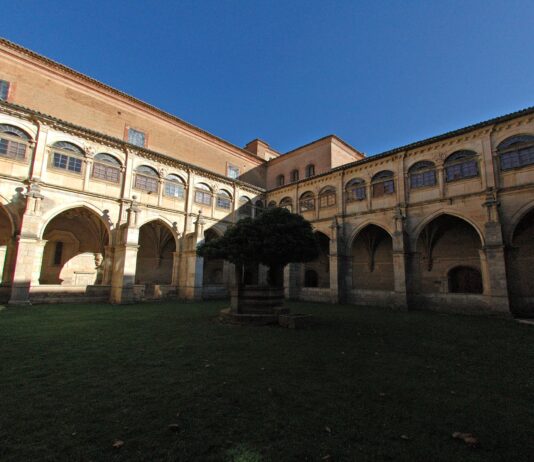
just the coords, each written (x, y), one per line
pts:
(128, 294)
(20, 295)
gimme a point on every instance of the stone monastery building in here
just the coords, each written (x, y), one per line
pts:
(104, 197)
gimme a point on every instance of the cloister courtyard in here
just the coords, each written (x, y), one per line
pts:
(169, 382)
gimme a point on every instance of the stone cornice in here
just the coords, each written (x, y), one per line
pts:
(52, 66)
(67, 127)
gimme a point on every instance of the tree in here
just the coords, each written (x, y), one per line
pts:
(275, 238)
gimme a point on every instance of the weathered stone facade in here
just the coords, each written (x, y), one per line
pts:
(104, 198)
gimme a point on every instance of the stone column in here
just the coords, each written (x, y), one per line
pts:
(492, 259)
(3, 255)
(292, 280)
(336, 286)
(29, 250)
(123, 287)
(192, 266)
(107, 265)
(399, 261)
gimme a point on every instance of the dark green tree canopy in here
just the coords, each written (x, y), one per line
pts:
(275, 238)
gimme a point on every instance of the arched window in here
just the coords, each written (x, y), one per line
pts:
(310, 170)
(271, 205)
(383, 183)
(259, 207)
(311, 279)
(307, 202)
(174, 187)
(422, 174)
(461, 164)
(107, 168)
(280, 180)
(327, 197)
(224, 200)
(67, 156)
(465, 280)
(295, 175)
(355, 190)
(13, 142)
(516, 152)
(286, 203)
(245, 207)
(203, 194)
(146, 179)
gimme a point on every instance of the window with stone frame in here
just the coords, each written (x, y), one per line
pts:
(516, 152)
(14, 142)
(4, 90)
(233, 172)
(224, 200)
(286, 203)
(106, 167)
(174, 187)
(422, 174)
(146, 179)
(203, 194)
(310, 170)
(355, 190)
(327, 198)
(295, 175)
(136, 137)
(67, 156)
(280, 180)
(383, 183)
(307, 202)
(461, 165)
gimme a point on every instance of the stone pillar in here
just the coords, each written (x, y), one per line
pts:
(123, 287)
(9, 262)
(336, 281)
(107, 265)
(3, 255)
(192, 266)
(292, 280)
(29, 249)
(492, 259)
(399, 261)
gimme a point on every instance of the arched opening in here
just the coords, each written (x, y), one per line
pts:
(327, 197)
(520, 261)
(461, 165)
(422, 174)
(516, 152)
(465, 280)
(307, 202)
(372, 260)
(355, 190)
(155, 256)
(447, 244)
(320, 267)
(107, 168)
(75, 249)
(245, 207)
(383, 183)
(286, 203)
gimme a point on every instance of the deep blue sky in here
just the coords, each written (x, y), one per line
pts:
(379, 74)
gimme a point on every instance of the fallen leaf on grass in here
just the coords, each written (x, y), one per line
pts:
(327, 457)
(467, 438)
(174, 427)
(328, 429)
(117, 444)
(405, 437)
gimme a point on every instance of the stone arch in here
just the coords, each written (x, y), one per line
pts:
(444, 242)
(453, 213)
(371, 253)
(364, 224)
(48, 217)
(524, 210)
(75, 240)
(519, 263)
(155, 257)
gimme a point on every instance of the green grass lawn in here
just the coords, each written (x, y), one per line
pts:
(361, 384)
